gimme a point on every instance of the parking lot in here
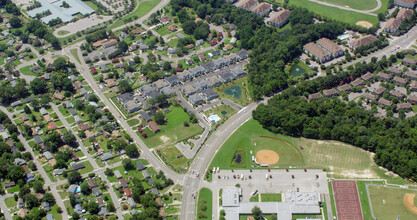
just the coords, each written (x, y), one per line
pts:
(280, 182)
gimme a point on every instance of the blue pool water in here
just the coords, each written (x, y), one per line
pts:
(343, 37)
(214, 118)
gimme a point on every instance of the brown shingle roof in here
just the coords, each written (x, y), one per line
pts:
(329, 45)
(357, 82)
(316, 50)
(367, 76)
(395, 70)
(404, 13)
(413, 85)
(314, 96)
(384, 76)
(370, 96)
(412, 98)
(400, 80)
(379, 90)
(153, 126)
(410, 75)
(262, 8)
(404, 106)
(247, 4)
(393, 24)
(385, 102)
(344, 88)
(137, 31)
(91, 183)
(396, 94)
(281, 16)
(409, 61)
(365, 40)
(330, 92)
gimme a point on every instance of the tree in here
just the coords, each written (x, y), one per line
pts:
(69, 139)
(73, 199)
(60, 63)
(74, 177)
(132, 151)
(85, 188)
(49, 198)
(183, 15)
(16, 173)
(160, 118)
(38, 86)
(93, 98)
(124, 86)
(128, 164)
(31, 201)
(38, 186)
(93, 207)
(15, 22)
(110, 207)
(189, 27)
(136, 59)
(274, 217)
(109, 172)
(75, 216)
(257, 213)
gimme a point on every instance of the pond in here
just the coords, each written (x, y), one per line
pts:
(235, 91)
(224, 112)
(297, 70)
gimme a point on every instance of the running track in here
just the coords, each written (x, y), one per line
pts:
(348, 205)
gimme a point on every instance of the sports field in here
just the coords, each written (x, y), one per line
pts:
(350, 17)
(388, 203)
(271, 197)
(236, 152)
(355, 4)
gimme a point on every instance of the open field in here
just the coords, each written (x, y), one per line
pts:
(74, 52)
(205, 198)
(341, 160)
(143, 8)
(388, 203)
(355, 4)
(169, 156)
(174, 131)
(335, 13)
(235, 153)
(271, 197)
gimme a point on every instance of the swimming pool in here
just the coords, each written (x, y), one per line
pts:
(214, 119)
(343, 37)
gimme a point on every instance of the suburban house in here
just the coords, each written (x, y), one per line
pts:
(209, 94)
(383, 76)
(172, 80)
(226, 76)
(262, 8)
(396, 94)
(404, 14)
(384, 102)
(404, 106)
(330, 47)
(369, 96)
(184, 75)
(392, 25)
(412, 99)
(330, 92)
(400, 80)
(280, 19)
(379, 91)
(196, 71)
(357, 82)
(410, 75)
(195, 99)
(367, 76)
(314, 96)
(77, 166)
(188, 90)
(153, 127)
(409, 61)
(140, 166)
(319, 54)
(213, 81)
(362, 41)
(242, 54)
(248, 4)
(406, 3)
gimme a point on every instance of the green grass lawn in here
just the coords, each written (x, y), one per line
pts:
(10, 202)
(335, 13)
(247, 139)
(74, 53)
(355, 4)
(62, 32)
(387, 203)
(88, 167)
(205, 196)
(169, 155)
(244, 96)
(218, 111)
(163, 31)
(254, 198)
(271, 197)
(142, 9)
(133, 122)
(366, 210)
(174, 131)
(25, 71)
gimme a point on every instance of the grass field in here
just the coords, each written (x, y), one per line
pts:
(271, 197)
(366, 209)
(74, 52)
(205, 197)
(62, 32)
(169, 155)
(141, 10)
(335, 13)
(133, 122)
(26, 71)
(247, 139)
(10, 202)
(342, 160)
(387, 203)
(355, 4)
(244, 98)
(174, 131)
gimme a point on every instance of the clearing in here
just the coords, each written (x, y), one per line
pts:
(388, 203)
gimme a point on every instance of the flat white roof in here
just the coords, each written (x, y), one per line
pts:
(66, 14)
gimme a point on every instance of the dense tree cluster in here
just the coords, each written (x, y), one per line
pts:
(392, 140)
(40, 30)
